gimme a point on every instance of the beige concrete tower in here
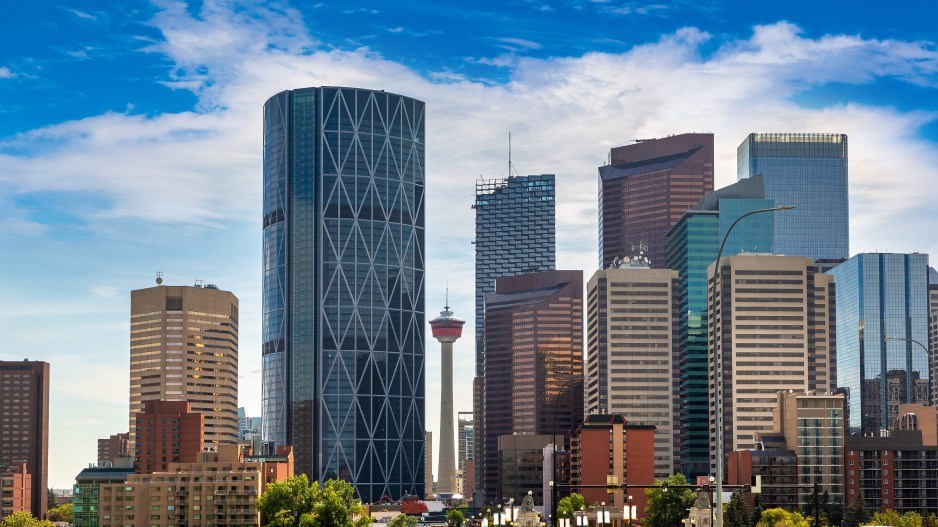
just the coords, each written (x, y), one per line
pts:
(630, 370)
(446, 329)
(184, 347)
(774, 331)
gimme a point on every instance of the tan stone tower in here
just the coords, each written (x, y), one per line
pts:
(446, 329)
(184, 347)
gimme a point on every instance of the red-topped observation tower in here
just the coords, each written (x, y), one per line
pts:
(446, 329)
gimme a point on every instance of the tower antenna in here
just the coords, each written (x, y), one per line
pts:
(511, 166)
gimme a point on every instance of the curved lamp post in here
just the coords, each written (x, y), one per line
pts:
(717, 373)
(553, 464)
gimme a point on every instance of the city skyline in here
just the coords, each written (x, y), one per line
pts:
(158, 169)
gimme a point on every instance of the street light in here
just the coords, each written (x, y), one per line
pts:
(629, 510)
(553, 463)
(581, 519)
(602, 515)
(717, 363)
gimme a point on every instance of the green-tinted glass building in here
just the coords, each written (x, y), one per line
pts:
(87, 493)
(692, 245)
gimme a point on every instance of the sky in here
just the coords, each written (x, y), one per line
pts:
(130, 142)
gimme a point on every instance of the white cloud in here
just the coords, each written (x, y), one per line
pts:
(6, 73)
(203, 167)
(515, 44)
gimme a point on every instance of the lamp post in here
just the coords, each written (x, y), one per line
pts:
(581, 518)
(553, 462)
(629, 510)
(602, 515)
(717, 363)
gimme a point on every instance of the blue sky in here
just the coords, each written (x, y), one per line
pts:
(130, 140)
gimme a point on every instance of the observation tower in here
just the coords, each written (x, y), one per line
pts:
(446, 329)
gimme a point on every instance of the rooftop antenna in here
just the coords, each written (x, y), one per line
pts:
(511, 166)
(159, 278)
(447, 295)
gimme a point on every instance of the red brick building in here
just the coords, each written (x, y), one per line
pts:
(167, 432)
(111, 448)
(16, 488)
(24, 424)
(607, 445)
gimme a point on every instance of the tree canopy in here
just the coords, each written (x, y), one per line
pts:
(23, 519)
(403, 520)
(297, 503)
(667, 507)
(455, 518)
(779, 517)
(738, 513)
(62, 513)
(567, 505)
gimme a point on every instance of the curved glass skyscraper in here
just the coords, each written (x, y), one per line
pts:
(343, 304)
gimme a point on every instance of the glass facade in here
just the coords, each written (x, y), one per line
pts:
(808, 171)
(692, 245)
(882, 310)
(343, 297)
(515, 233)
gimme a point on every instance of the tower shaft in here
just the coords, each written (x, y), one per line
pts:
(446, 472)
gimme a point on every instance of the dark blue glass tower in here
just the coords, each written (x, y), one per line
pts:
(882, 311)
(343, 296)
(515, 234)
(692, 245)
(810, 172)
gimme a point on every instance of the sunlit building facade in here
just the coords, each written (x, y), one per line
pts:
(343, 286)
(882, 311)
(645, 188)
(533, 346)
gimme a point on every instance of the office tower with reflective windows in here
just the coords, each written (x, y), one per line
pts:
(692, 245)
(184, 347)
(24, 427)
(882, 316)
(630, 367)
(645, 189)
(773, 330)
(933, 330)
(515, 234)
(809, 171)
(533, 347)
(343, 286)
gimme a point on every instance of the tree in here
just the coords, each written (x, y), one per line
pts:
(779, 517)
(403, 520)
(50, 497)
(667, 507)
(295, 502)
(757, 509)
(737, 513)
(335, 505)
(62, 513)
(856, 514)
(23, 519)
(285, 503)
(894, 519)
(567, 505)
(454, 518)
(835, 514)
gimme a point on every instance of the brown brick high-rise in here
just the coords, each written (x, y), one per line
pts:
(24, 424)
(646, 188)
(533, 345)
(184, 347)
(167, 432)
